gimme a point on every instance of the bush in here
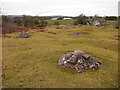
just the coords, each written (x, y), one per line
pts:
(7, 25)
(8, 28)
(42, 23)
(81, 20)
(29, 21)
(18, 21)
(56, 23)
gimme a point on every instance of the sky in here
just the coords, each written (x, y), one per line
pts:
(59, 7)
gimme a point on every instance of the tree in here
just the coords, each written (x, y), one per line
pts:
(56, 23)
(81, 19)
(18, 21)
(7, 25)
(96, 17)
(42, 23)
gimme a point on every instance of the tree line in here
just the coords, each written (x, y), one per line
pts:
(9, 24)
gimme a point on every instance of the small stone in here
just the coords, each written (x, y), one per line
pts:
(65, 62)
(86, 56)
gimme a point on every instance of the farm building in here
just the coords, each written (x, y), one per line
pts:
(66, 18)
(56, 18)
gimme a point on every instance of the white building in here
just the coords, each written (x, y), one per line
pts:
(66, 18)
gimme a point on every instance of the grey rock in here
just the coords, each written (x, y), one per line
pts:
(86, 56)
(79, 61)
(23, 35)
(96, 23)
(88, 23)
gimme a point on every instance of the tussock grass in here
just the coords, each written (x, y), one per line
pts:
(32, 62)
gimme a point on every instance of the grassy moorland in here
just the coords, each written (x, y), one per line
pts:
(71, 21)
(32, 62)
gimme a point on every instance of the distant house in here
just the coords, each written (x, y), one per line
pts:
(56, 18)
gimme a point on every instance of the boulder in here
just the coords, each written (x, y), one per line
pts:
(23, 35)
(96, 23)
(80, 61)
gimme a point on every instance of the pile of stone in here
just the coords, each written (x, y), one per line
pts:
(65, 27)
(79, 61)
(96, 23)
(101, 27)
(23, 35)
(77, 34)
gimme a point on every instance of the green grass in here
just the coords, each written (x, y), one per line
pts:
(109, 21)
(32, 62)
(71, 21)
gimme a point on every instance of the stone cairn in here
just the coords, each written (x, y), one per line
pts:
(23, 35)
(101, 27)
(77, 34)
(65, 27)
(79, 61)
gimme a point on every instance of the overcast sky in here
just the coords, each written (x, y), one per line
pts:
(60, 7)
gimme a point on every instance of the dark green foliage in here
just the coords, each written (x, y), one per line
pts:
(42, 23)
(29, 21)
(61, 18)
(18, 21)
(81, 19)
(111, 18)
(56, 23)
(36, 22)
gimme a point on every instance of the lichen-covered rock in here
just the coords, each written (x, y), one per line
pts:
(79, 61)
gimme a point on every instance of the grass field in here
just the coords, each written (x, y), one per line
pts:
(71, 21)
(32, 62)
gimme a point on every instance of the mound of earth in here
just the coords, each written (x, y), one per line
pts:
(79, 61)
(23, 35)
